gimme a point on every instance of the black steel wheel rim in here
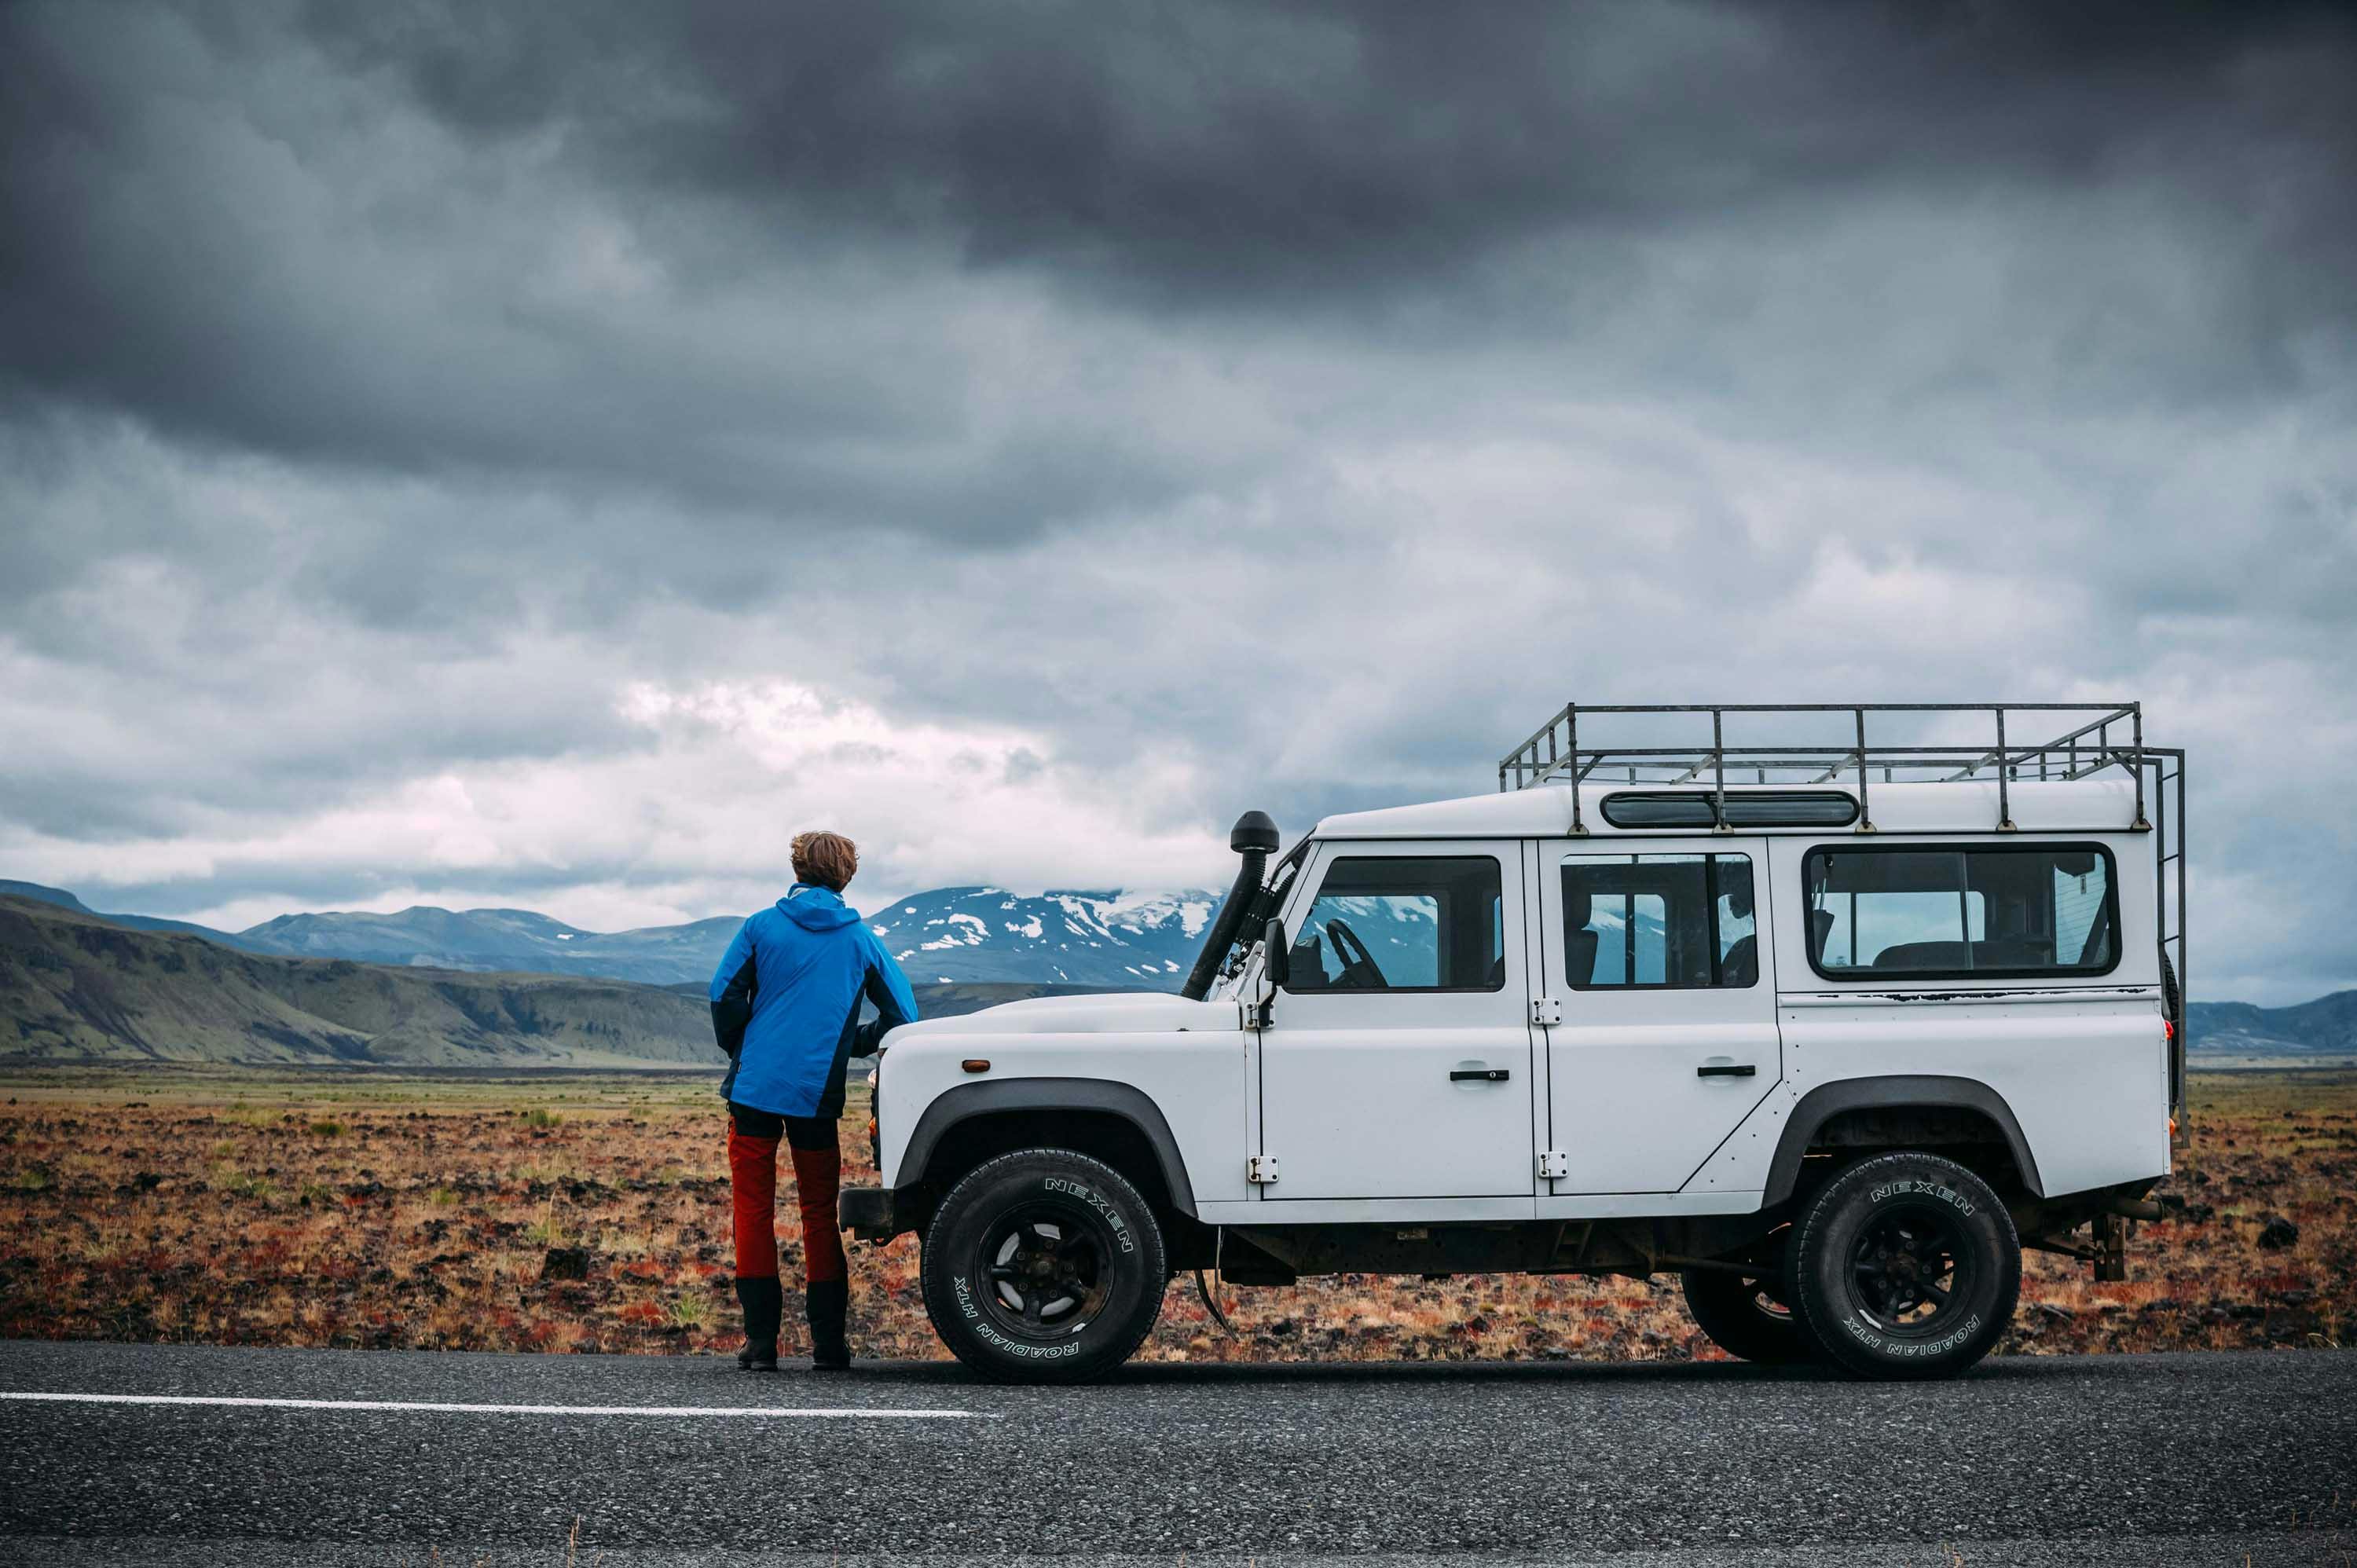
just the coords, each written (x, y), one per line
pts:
(1045, 1269)
(1912, 1270)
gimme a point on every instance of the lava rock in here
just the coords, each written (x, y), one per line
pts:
(565, 1264)
(2278, 1233)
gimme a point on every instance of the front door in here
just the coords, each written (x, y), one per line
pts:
(1660, 958)
(1397, 1063)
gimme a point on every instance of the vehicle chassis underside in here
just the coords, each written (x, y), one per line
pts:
(1748, 1244)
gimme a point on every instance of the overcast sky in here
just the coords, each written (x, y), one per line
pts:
(547, 454)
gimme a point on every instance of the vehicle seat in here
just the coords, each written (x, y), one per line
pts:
(1306, 967)
(1924, 955)
(1742, 965)
(1579, 943)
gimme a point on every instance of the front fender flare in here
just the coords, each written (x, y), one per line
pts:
(1130, 1103)
(1822, 1104)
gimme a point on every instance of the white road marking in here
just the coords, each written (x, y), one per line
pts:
(838, 1413)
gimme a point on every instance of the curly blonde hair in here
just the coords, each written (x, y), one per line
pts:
(825, 860)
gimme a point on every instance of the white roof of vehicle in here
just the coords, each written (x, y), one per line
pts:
(2082, 805)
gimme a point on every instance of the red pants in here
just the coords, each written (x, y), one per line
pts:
(753, 1139)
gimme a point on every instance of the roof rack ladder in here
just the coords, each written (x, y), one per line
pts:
(1719, 769)
(2136, 712)
(2004, 766)
(1865, 817)
(1571, 747)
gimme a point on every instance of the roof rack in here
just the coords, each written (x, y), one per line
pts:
(2078, 753)
(2106, 735)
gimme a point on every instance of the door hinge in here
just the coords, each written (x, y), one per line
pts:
(1546, 1010)
(1554, 1165)
(1260, 1170)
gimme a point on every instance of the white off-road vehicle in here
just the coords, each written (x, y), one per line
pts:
(1833, 1030)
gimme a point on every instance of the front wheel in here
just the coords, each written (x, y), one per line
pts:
(1745, 1315)
(1904, 1265)
(1043, 1266)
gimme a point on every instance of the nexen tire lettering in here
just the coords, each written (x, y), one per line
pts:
(1948, 1195)
(1112, 1215)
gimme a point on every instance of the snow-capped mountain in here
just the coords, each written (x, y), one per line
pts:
(1147, 941)
(953, 935)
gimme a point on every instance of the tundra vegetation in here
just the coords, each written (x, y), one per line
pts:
(580, 1213)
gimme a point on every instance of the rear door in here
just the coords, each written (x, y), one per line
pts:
(1397, 1062)
(1659, 954)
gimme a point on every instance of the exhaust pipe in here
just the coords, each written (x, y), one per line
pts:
(1255, 838)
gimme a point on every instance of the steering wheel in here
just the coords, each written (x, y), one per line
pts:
(1359, 968)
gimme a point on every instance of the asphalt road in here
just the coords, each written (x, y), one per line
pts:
(2153, 1459)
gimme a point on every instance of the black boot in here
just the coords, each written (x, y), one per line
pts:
(764, 1302)
(825, 1303)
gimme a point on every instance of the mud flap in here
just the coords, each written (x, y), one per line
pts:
(867, 1212)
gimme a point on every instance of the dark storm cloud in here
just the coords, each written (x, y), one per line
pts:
(1217, 404)
(221, 220)
(1220, 149)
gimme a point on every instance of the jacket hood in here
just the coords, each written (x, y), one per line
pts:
(817, 908)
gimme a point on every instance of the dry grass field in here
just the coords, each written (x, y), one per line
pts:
(422, 1212)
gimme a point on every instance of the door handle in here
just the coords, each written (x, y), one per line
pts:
(1480, 1075)
(1745, 1070)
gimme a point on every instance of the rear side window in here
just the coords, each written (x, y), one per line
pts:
(1403, 923)
(1992, 913)
(1668, 921)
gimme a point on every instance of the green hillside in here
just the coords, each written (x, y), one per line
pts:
(75, 987)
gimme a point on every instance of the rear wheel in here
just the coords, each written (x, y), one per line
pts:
(1043, 1266)
(1904, 1265)
(1745, 1315)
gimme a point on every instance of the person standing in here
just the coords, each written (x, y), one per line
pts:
(785, 1007)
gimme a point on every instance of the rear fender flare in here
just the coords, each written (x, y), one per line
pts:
(1822, 1104)
(1127, 1102)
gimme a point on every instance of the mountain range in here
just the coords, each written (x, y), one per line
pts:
(962, 947)
(75, 986)
(947, 936)
(2328, 1024)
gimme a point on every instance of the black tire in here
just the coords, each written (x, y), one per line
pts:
(1904, 1265)
(1745, 1315)
(1043, 1266)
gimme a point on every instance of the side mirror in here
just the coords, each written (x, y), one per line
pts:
(1277, 954)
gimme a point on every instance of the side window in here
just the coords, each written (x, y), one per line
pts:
(2022, 910)
(1403, 923)
(1675, 921)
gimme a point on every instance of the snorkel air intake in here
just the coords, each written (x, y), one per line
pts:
(1255, 838)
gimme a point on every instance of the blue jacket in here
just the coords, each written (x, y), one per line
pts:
(785, 1003)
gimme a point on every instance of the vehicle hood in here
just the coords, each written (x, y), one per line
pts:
(1124, 1012)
